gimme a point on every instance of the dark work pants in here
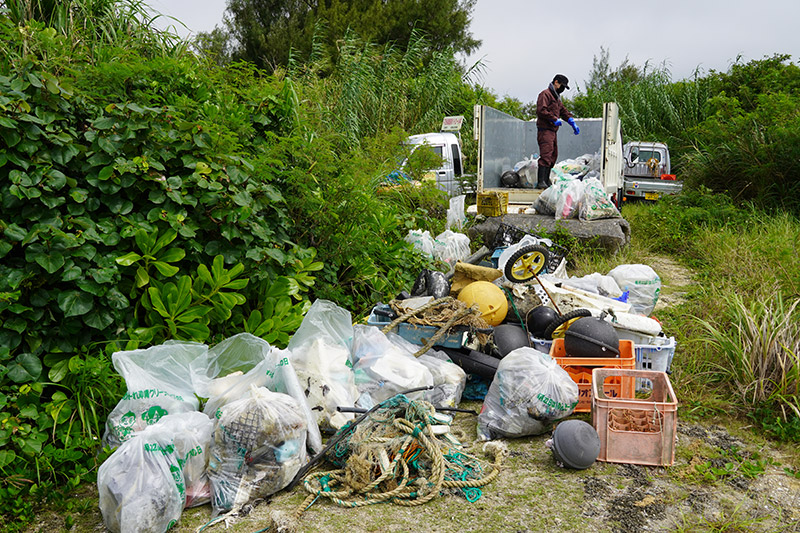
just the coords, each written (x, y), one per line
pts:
(548, 147)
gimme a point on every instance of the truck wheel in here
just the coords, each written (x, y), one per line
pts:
(559, 326)
(526, 262)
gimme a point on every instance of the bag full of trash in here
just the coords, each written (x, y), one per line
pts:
(449, 379)
(451, 247)
(421, 240)
(382, 370)
(596, 203)
(569, 200)
(160, 380)
(145, 484)
(244, 360)
(320, 354)
(643, 285)
(192, 437)
(455, 213)
(528, 392)
(259, 445)
(547, 201)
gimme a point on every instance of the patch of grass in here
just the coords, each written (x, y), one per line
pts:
(759, 345)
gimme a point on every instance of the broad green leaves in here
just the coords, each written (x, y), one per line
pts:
(155, 254)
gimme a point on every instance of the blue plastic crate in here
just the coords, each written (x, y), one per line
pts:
(656, 357)
(419, 334)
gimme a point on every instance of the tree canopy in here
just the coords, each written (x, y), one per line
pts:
(268, 32)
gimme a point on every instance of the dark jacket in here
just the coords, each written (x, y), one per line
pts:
(549, 108)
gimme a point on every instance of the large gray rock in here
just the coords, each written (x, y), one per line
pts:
(610, 234)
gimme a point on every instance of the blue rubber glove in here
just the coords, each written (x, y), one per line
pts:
(557, 122)
(575, 127)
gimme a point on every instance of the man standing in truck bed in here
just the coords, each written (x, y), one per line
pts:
(549, 112)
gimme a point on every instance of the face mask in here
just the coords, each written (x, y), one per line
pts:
(560, 89)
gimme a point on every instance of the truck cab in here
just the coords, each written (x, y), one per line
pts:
(647, 171)
(447, 146)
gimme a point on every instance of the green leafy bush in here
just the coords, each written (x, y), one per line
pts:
(123, 224)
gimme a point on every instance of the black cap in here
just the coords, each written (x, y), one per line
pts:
(563, 80)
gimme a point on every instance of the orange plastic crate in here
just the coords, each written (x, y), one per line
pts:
(580, 370)
(635, 430)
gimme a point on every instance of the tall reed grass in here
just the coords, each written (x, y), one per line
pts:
(654, 108)
(759, 345)
(368, 89)
(89, 30)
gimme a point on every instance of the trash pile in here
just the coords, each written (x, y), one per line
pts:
(576, 191)
(242, 420)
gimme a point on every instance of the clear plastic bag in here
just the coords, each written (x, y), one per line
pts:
(595, 283)
(449, 379)
(160, 380)
(422, 241)
(572, 166)
(324, 319)
(244, 360)
(259, 445)
(451, 247)
(596, 205)
(145, 484)
(528, 392)
(383, 370)
(455, 213)
(192, 437)
(320, 354)
(569, 200)
(547, 201)
(643, 284)
(527, 170)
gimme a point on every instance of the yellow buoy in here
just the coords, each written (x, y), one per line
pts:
(490, 299)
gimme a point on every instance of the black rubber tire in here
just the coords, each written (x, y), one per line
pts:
(566, 317)
(473, 361)
(538, 253)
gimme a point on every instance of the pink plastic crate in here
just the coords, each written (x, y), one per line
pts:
(634, 430)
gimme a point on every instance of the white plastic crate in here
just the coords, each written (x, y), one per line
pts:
(655, 357)
(541, 345)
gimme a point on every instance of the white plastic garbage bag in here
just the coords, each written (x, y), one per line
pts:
(449, 379)
(422, 241)
(451, 247)
(244, 360)
(547, 201)
(528, 392)
(596, 283)
(160, 380)
(192, 438)
(596, 204)
(643, 286)
(258, 447)
(527, 169)
(145, 484)
(383, 370)
(569, 200)
(320, 353)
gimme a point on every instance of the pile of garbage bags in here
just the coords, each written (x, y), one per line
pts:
(576, 192)
(237, 421)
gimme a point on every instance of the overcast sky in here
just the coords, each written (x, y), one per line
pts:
(526, 42)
